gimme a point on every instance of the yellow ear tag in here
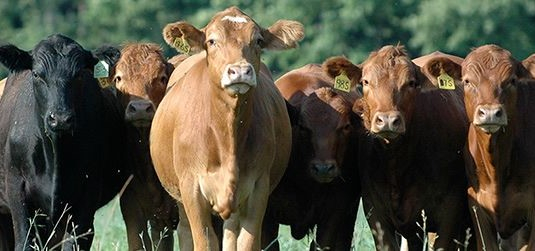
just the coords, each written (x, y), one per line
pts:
(445, 82)
(342, 82)
(104, 82)
(182, 45)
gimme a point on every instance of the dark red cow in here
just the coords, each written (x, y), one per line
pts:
(320, 187)
(499, 100)
(411, 162)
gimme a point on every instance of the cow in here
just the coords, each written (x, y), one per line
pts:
(59, 135)
(221, 137)
(410, 163)
(500, 159)
(320, 187)
(140, 79)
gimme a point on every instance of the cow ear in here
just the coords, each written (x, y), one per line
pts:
(335, 66)
(529, 64)
(184, 37)
(282, 35)
(108, 53)
(439, 66)
(15, 59)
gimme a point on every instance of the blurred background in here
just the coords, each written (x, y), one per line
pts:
(350, 27)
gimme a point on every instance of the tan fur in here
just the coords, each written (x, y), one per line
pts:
(217, 152)
(2, 85)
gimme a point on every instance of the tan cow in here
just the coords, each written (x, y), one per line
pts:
(140, 77)
(221, 138)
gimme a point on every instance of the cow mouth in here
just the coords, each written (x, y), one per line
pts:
(324, 178)
(237, 88)
(388, 135)
(141, 123)
(490, 128)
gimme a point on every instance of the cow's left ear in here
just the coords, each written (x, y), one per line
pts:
(282, 35)
(15, 59)
(441, 65)
(184, 37)
(337, 65)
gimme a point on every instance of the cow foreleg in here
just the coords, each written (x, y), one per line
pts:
(251, 218)
(484, 227)
(136, 223)
(198, 213)
(335, 232)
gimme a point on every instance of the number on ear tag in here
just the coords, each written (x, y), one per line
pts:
(182, 45)
(342, 82)
(446, 82)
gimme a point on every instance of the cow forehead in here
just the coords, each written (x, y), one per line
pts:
(141, 64)
(326, 103)
(232, 23)
(66, 59)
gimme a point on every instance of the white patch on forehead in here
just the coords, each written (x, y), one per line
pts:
(235, 19)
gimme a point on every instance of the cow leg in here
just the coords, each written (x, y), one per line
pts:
(484, 227)
(6, 232)
(336, 232)
(251, 219)
(198, 212)
(270, 232)
(135, 221)
(185, 239)
(451, 224)
(162, 237)
(383, 232)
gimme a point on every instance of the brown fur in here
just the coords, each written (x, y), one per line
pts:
(420, 168)
(218, 151)
(529, 64)
(324, 132)
(141, 76)
(500, 164)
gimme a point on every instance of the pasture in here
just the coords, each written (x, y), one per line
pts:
(110, 232)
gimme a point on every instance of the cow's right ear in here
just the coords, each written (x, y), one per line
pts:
(529, 64)
(15, 59)
(184, 37)
(108, 53)
(337, 65)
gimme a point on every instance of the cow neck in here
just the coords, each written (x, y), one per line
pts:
(491, 153)
(231, 119)
(138, 144)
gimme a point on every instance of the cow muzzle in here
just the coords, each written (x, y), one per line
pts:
(140, 113)
(59, 121)
(324, 171)
(238, 78)
(490, 118)
(388, 125)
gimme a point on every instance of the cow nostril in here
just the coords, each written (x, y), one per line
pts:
(131, 108)
(498, 113)
(52, 120)
(379, 121)
(231, 71)
(396, 121)
(248, 71)
(481, 113)
(149, 109)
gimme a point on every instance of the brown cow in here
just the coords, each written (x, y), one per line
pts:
(221, 138)
(412, 159)
(500, 154)
(140, 76)
(529, 64)
(320, 187)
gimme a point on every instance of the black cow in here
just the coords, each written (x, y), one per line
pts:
(59, 140)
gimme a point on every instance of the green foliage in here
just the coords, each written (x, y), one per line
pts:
(339, 27)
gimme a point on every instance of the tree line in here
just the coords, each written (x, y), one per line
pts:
(352, 28)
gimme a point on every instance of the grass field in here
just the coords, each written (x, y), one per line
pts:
(110, 232)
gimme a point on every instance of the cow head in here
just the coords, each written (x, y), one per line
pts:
(233, 43)
(391, 82)
(141, 76)
(58, 66)
(325, 124)
(490, 75)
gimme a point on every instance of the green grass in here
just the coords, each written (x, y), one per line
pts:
(110, 232)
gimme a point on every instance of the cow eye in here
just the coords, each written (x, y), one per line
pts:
(260, 42)
(346, 128)
(211, 42)
(364, 82)
(117, 79)
(414, 84)
(164, 80)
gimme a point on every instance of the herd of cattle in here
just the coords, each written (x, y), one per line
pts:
(437, 141)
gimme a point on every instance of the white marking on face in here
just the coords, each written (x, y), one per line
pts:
(235, 19)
